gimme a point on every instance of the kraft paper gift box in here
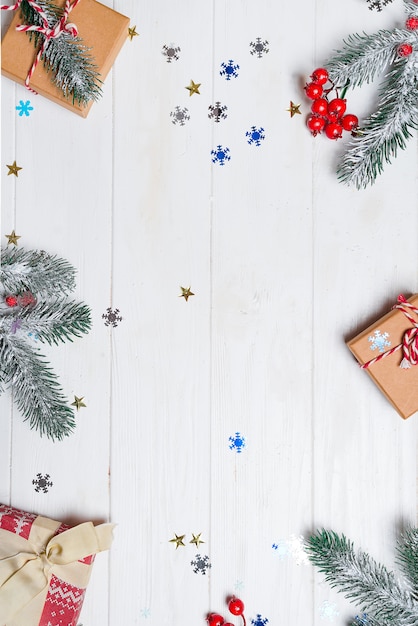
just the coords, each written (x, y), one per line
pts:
(102, 30)
(388, 351)
(45, 567)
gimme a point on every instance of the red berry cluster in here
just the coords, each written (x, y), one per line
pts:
(25, 299)
(327, 115)
(235, 606)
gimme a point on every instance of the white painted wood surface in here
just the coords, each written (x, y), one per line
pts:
(285, 264)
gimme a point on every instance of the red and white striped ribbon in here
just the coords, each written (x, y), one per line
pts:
(409, 345)
(60, 27)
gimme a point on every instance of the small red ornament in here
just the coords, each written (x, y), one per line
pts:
(320, 76)
(236, 606)
(349, 122)
(11, 301)
(404, 50)
(313, 90)
(412, 23)
(26, 299)
(320, 106)
(334, 130)
(337, 107)
(315, 124)
(214, 619)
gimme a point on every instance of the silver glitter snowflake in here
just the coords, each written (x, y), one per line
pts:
(217, 112)
(200, 564)
(180, 115)
(259, 47)
(112, 317)
(171, 52)
(42, 482)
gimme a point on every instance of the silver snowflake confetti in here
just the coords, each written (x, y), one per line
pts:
(200, 564)
(217, 112)
(42, 483)
(259, 47)
(180, 115)
(171, 52)
(112, 317)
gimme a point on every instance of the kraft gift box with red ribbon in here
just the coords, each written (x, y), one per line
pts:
(45, 567)
(102, 30)
(388, 351)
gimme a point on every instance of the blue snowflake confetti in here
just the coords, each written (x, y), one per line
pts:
(180, 115)
(328, 610)
(259, 47)
(379, 341)
(255, 135)
(33, 336)
(145, 613)
(237, 443)
(24, 108)
(229, 70)
(220, 155)
(200, 564)
(259, 620)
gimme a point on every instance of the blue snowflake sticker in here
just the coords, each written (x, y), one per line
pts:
(259, 621)
(237, 443)
(229, 70)
(255, 135)
(220, 155)
(24, 108)
(379, 341)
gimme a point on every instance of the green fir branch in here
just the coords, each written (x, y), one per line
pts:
(56, 321)
(408, 558)
(36, 271)
(384, 131)
(35, 387)
(370, 585)
(70, 61)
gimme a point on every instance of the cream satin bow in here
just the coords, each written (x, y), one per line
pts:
(26, 565)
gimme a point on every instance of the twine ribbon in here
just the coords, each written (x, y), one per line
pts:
(409, 345)
(62, 26)
(26, 565)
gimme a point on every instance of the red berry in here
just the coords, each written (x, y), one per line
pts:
(320, 76)
(315, 124)
(236, 606)
(405, 49)
(412, 23)
(337, 107)
(11, 300)
(313, 90)
(26, 299)
(349, 121)
(320, 106)
(334, 130)
(214, 619)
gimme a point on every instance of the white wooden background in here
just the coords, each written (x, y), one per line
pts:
(285, 264)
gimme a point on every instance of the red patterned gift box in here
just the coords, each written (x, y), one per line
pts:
(45, 567)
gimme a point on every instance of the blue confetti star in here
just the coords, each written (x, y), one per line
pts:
(237, 443)
(229, 70)
(24, 108)
(220, 155)
(255, 135)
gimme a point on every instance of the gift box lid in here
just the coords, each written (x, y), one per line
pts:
(399, 384)
(102, 30)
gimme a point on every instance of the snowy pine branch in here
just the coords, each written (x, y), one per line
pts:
(74, 71)
(408, 558)
(36, 271)
(370, 585)
(36, 390)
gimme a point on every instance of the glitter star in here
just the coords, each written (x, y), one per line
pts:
(78, 403)
(294, 109)
(12, 238)
(196, 540)
(132, 33)
(178, 540)
(13, 169)
(186, 293)
(193, 88)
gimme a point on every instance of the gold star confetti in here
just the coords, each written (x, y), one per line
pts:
(132, 33)
(294, 109)
(12, 238)
(186, 293)
(178, 540)
(78, 403)
(193, 88)
(13, 169)
(197, 540)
